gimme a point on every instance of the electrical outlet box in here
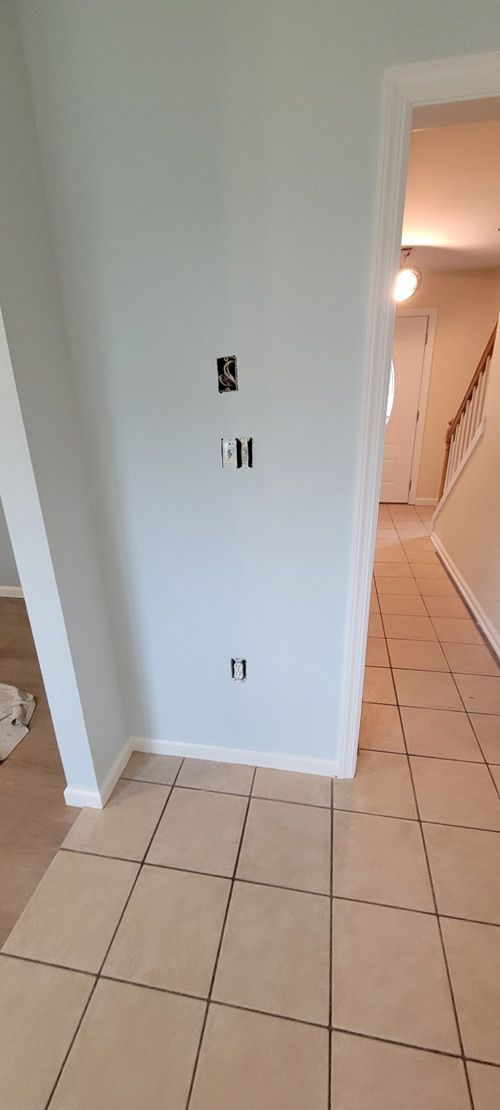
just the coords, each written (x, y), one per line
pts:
(237, 454)
(239, 669)
(227, 374)
(229, 449)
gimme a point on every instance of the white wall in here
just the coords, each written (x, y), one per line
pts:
(468, 524)
(50, 520)
(8, 570)
(211, 175)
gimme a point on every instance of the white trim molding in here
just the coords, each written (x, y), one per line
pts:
(470, 77)
(11, 591)
(423, 394)
(96, 799)
(432, 501)
(277, 760)
(492, 634)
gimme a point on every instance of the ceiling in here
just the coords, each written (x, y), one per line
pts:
(452, 210)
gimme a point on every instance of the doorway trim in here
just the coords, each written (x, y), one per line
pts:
(425, 381)
(470, 77)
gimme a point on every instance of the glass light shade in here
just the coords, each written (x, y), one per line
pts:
(407, 283)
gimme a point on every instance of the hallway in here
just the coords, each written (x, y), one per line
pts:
(178, 951)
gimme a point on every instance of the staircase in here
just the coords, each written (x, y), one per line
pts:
(466, 427)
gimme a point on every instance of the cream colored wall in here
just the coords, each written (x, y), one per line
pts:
(468, 525)
(468, 302)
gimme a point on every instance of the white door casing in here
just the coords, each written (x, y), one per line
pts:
(467, 77)
(408, 351)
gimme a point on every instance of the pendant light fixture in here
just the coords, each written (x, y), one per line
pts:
(408, 279)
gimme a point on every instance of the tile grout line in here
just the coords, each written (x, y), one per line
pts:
(271, 1014)
(103, 961)
(219, 947)
(233, 793)
(438, 922)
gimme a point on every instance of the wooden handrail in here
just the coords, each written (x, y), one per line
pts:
(452, 425)
(481, 366)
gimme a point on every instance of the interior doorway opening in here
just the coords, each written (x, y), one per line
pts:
(443, 87)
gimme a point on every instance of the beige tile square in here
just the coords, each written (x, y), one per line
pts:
(480, 694)
(447, 606)
(471, 659)
(381, 728)
(40, 1008)
(473, 954)
(495, 771)
(428, 570)
(146, 767)
(398, 626)
(136, 1049)
(428, 689)
(287, 845)
(126, 824)
(487, 729)
(255, 1062)
(380, 859)
(204, 774)
(455, 793)
(373, 1075)
(382, 785)
(421, 555)
(169, 934)
(199, 831)
(391, 570)
(407, 605)
(418, 544)
(465, 868)
(379, 686)
(485, 1085)
(389, 553)
(275, 953)
(435, 587)
(376, 652)
(74, 911)
(389, 976)
(292, 786)
(426, 655)
(375, 626)
(457, 630)
(441, 732)
(403, 586)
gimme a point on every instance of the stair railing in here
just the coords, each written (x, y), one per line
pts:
(462, 429)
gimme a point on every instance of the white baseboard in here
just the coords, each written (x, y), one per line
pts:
(308, 765)
(11, 591)
(96, 799)
(432, 501)
(491, 633)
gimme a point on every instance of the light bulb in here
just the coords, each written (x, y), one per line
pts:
(407, 283)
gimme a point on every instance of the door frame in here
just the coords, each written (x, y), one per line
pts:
(423, 395)
(470, 77)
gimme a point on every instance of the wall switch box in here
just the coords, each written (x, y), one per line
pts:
(227, 374)
(237, 454)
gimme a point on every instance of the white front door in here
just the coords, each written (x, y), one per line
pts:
(408, 353)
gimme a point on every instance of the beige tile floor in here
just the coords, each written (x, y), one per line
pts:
(221, 937)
